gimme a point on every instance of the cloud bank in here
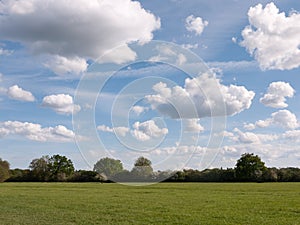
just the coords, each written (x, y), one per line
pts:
(71, 31)
(272, 37)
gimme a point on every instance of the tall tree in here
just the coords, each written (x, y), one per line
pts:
(60, 167)
(40, 170)
(142, 168)
(249, 167)
(4, 170)
(109, 167)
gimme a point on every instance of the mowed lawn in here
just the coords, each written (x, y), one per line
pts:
(165, 203)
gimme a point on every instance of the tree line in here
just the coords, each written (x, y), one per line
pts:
(57, 168)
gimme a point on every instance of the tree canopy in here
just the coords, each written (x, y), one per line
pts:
(249, 167)
(108, 166)
(142, 168)
(4, 170)
(54, 168)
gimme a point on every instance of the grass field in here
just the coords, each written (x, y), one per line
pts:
(166, 203)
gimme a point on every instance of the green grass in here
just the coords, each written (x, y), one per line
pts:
(166, 203)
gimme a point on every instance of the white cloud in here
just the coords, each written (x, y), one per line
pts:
(292, 135)
(36, 132)
(285, 119)
(233, 65)
(277, 94)
(264, 123)
(61, 103)
(192, 125)
(165, 52)
(76, 28)
(282, 118)
(181, 60)
(122, 54)
(249, 126)
(138, 110)
(17, 93)
(246, 137)
(190, 46)
(5, 52)
(122, 131)
(146, 130)
(250, 137)
(195, 24)
(141, 131)
(62, 65)
(272, 37)
(198, 98)
(180, 150)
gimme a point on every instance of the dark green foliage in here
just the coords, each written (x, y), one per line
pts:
(40, 170)
(142, 161)
(54, 168)
(85, 176)
(289, 174)
(60, 168)
(250, 168)
(109, 167)
(4, 170)
(142, 169)
(19, 175)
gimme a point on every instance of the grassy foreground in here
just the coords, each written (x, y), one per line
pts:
(166, 203)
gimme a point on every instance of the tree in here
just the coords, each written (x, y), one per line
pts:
(85, 176)
(4, 170)
(142, 168)
(60, 167)
(249, 168)
(109, 167)
(40, 170)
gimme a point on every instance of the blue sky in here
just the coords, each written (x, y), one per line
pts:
(186, 83)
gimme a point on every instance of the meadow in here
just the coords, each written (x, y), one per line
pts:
(164, 203)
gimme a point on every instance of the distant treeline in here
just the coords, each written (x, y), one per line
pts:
(57, 168)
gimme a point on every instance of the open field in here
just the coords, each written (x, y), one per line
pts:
(166, 203)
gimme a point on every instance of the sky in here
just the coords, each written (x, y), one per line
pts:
(185, 83)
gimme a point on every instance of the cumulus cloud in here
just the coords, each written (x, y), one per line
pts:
(195, 24)
(282, 118)
(146, 130)
(122, 131)
(277, 94)
(76, 28)
(272, 37)
(5, 52)
(250, 137)
(138, 110)
(17, 93)
(36, 132)
(285, 119)
(142, 131)
(249, 126)
(246, 137)
(192, 125)
(61, 103)
(198, 98)
(166, 52)
(62, 65)
(292, 135)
